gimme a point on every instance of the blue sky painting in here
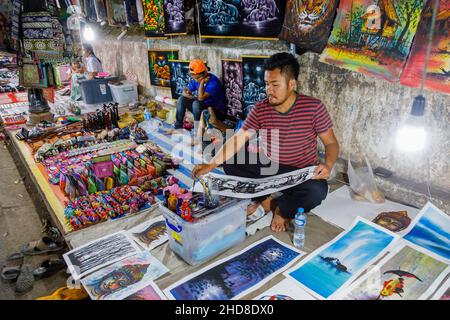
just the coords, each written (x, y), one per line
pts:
(330, 267)
(432, 231)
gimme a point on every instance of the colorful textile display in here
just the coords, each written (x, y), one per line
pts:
(179, 77)
(232, 81)
(42, 32)
(438, 73)
(154, 19)
(158, 61)
(253, 82)
(260, 19)
(308, 23)
(373, 37)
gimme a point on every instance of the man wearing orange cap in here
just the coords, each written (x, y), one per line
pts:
(205, 91)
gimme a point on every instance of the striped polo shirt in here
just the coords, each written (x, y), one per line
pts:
(295, 142)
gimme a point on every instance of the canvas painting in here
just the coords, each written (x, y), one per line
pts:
(431, 230)
(88, 8)
(132, 12)
(285, 290)
(438, 71)
(238, 274)
(443, 292)
(158, 61)
(150, 234)
(394, 221)
(123, 278)
(308, 23)
(99, 253)
(261, 18)
(154, 19)
(220, 18)
(373, 37)
(232, 82)
(179, 77)
(407, 273)
(100, 10)
(117, 15)
(149, 292)
(253, 82)
(325, 271)
(174, 14)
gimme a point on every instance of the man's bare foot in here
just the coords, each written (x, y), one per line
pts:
(266, 203)
(279, 224)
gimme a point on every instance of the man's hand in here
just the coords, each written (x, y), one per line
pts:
(187, 93)
(322, 172)
(202, 169)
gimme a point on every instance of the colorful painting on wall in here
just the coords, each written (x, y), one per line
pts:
(158, 61)
(123, 278)
(260, 19)
(117, 15)
(235, 276)
(407, 273)
(253, 82)
(431, 230)
(232, 81)
(373, 37)
(149, 292)
(179, 77)
(150, 234)
(438, 73)
(326, 271)
(174, 13)
(154, 20)
(444, 292)
(307, 23)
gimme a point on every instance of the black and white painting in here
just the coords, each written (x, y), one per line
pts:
(253, 82)
(232, 82)
(261, 18)
(220, 18)
(99, 253)
(179, 77)
(174, 14)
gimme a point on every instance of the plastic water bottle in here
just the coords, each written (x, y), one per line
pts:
(299, 232)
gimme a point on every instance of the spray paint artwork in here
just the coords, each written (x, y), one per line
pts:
(154, 20)
(158, 62)
(307, 23)
(438, 71)
(123, 278)
(174, 13)
(241, 18)
(325, 271)
(150, 292)
(405, 274)
(179, 77)
(150, 234)
(117, 15)
(237, 275)
(232, 81)
(443, 293)
(373, 37)
(253, 82)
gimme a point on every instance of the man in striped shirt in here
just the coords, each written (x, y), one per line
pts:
(288, 124)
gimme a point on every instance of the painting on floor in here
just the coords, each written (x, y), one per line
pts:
(158, 61)
(438, 71)
(237, 275)
(373, 37)
(307, 23)
(407, 273)
(328, 269)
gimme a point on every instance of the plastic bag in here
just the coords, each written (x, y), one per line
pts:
(362, 183)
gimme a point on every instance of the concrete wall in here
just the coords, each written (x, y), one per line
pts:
(366, 112)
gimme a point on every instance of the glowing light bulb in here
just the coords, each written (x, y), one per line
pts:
(88, 34)
(412, 136)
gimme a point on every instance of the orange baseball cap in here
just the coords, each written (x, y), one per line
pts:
(197, 66)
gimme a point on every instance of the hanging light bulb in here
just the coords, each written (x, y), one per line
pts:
(88, 34)
(412, 135)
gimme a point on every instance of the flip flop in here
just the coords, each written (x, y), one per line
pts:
(46, 244)
(15, 256)
(258, 214)
(49, 268)
(25, 280)
(10, 273)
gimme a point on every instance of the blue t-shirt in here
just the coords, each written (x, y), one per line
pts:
(214, 88)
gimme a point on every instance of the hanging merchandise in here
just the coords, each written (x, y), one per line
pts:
(179, 77)
(117, 15)
(100, 10)
(373, 37)
(232, 81)
(253, 82)
(140, 12)
(308, 23)
(260, 19)
(438, 71)
(88, 9)
(132, 12)
(15, 21)
(154, 20)
(175, 23)
(158, 61)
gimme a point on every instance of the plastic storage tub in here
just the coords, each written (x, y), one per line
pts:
(208, 236)
(95, 91)
(124, 93)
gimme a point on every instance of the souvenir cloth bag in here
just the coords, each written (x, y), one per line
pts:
(42, 32)
(103, 167)
(29, 75)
